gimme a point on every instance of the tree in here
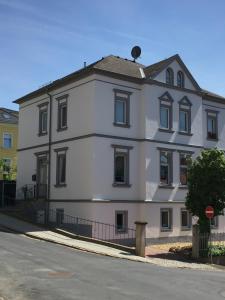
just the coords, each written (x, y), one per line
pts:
(206, 186)
(6, 170)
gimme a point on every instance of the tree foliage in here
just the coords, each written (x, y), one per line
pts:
(206, 185)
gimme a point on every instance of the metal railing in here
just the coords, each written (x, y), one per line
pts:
(83, 227)
(206, 241)
(34, 191)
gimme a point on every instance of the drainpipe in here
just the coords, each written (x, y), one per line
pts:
(49, 157)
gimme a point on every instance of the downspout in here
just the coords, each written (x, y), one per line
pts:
(49, 157)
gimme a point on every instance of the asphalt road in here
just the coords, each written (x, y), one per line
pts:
(32, 269)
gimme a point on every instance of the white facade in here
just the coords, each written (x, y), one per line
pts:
(87, 142)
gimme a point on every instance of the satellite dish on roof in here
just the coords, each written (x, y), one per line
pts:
(135, 52)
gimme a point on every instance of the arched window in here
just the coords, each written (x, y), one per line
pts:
(169, 76)
(180, 79)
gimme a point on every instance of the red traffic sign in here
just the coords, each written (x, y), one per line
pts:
(209, 212)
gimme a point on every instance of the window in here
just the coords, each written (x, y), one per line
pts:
(62, 112)
(61, 166)
(43, 118)
(212, 126)
(166, 219)
(215, 222)
(7, 140)
(184, 167)
(166, 112)
(122, 108)
(121, 165)
(180, 79)
(121, 221)
(169, 76)
(185, 116)
(186, 219)
(165, 167)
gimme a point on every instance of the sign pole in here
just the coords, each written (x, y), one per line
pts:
(210, 240)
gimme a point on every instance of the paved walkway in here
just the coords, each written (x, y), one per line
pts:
(34, 231)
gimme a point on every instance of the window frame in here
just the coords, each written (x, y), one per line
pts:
(214, 116)
(62, 102)
(123, 96)
(170, 219)
(11, 140)
(61, 152)
(43, 108)
(169, 154)
(181, 80)
(185, 106)
(125, 152)
(125, 219)
(189, 219)
(170, 76)
(166, 101)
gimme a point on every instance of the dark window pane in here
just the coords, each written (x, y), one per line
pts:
(211, 124)
(164, 158)
(183, 121)
(120, 168)
(120, 112)
(164, 174)
(184, 218)
(164, 117)
(119, 221)
(165, 219)
(183, 176)
(63, 116)
(61, 168)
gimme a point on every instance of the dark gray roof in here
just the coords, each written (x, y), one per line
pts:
(119, 68)
(8, 116)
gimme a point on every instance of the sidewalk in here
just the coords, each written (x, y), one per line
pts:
(36, 232)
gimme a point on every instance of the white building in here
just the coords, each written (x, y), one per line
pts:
(110, 141)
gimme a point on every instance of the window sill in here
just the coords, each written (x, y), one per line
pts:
(185, 133)
(121, 125)
(183, 187)
(166, 186)
(166, 130)
(185, 228)
(212, 140)
(42, 133)
(60, 185)
(62, 129)
(166, 230)
(121, 185)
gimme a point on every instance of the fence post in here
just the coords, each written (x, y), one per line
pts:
(195, 241)
(140, 238)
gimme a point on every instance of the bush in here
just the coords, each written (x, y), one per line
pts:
(217, 250)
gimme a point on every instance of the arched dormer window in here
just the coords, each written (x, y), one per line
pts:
(169, 76)
(180, 79)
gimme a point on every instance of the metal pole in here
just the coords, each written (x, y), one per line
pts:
(210, 239)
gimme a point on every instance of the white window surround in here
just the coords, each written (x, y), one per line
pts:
(166, 105)
(121, 108)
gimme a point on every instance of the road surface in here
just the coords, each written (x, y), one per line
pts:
(32, 269)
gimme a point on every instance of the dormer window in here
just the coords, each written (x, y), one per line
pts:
(180, 79)
(169, 76)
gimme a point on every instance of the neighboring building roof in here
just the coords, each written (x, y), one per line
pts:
(121, 68)
(8, 116)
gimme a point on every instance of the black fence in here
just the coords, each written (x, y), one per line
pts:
(7, 193)
(83, 227)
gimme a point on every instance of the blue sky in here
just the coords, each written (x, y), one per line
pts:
(42, 40)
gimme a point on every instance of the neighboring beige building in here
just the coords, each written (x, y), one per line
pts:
(110, 142)
(8, 144)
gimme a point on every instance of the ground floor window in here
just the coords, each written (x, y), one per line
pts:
(186, 219)
(121, 221)
(166, 219)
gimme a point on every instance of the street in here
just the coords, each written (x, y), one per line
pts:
(33, 269)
